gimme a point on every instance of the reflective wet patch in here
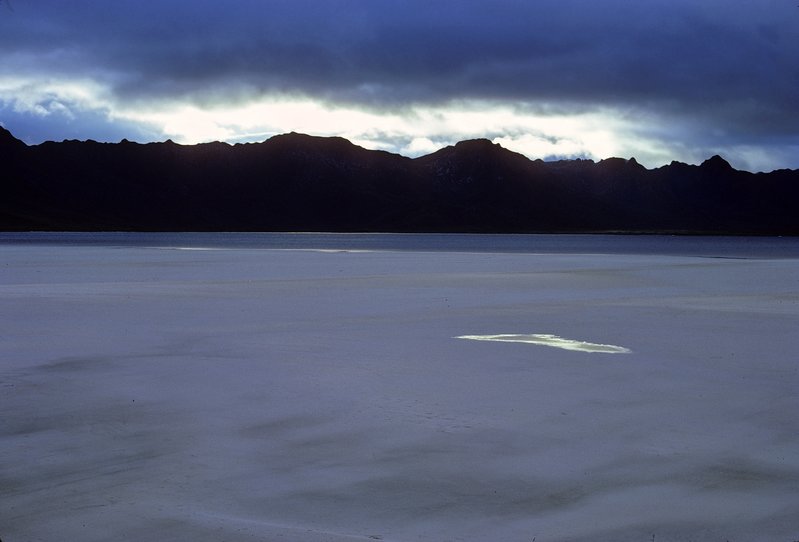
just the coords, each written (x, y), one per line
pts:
(546, 339)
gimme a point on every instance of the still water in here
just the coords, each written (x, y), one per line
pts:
(709, 246)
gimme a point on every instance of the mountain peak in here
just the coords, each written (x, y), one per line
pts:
(7, 138)
(621, 164)
(717, 163)
(476, 141)
(479, 144)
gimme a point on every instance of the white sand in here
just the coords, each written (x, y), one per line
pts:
(158, 395)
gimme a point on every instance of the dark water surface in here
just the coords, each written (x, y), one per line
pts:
(708, 246)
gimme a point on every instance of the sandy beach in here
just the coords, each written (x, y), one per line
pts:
(159, 393)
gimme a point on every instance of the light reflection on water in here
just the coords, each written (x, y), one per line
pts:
(546, 339)
(708, 246)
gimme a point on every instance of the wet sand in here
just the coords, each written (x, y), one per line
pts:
(154, 394)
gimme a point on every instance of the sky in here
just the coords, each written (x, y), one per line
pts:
(658, 80)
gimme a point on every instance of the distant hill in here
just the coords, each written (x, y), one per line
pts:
(297, 182)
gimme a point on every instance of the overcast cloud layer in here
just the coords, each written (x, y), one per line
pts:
(658, 79)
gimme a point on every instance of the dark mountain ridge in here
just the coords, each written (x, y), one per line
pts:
(296, 182)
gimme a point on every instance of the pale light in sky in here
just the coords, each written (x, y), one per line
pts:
(412, 130)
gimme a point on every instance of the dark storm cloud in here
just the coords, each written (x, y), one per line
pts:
(733, 65)
(495, 49)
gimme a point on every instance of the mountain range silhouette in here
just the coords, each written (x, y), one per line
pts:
(296, 182)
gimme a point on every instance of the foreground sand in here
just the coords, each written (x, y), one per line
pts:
(241, 395)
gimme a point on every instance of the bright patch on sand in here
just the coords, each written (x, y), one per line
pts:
(546, 339)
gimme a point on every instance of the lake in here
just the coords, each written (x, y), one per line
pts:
(343, 387)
